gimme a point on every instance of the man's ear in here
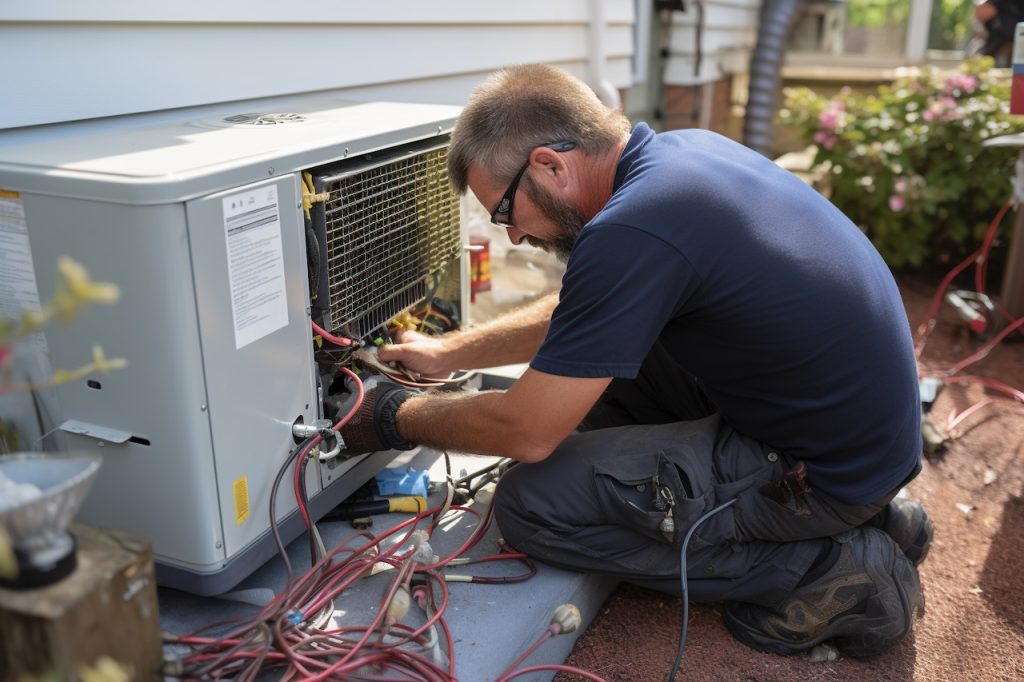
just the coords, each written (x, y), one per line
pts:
(554, 166)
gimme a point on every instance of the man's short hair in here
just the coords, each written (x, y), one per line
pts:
(522, 107)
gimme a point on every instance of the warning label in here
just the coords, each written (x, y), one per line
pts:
(252, 227)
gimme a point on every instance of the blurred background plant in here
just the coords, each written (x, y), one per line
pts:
(951, 24)
(74, 291)
(906, 163)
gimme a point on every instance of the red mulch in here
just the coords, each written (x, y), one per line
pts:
(973, 579)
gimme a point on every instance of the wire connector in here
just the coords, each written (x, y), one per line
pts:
(567, 617)
(423, 553)
(324, 429)
(968, 310)
(309, 430)
(398, 607)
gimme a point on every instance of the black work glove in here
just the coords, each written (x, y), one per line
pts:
(373, 426)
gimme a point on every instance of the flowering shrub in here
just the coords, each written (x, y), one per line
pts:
(907, 163)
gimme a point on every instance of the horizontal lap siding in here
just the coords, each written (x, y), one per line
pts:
(728, 36)
(72, 60)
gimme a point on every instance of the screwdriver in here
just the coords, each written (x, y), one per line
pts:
(413, 504)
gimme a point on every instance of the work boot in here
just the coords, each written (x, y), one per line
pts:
(907, 523)
(865, 602)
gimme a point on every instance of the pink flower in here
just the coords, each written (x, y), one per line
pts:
(900, 186)
(831, 117)
(825, 139)
(897, 203)
(963, 82)
(944, 108)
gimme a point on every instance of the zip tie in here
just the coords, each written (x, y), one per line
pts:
(309, 199)
(309, 196)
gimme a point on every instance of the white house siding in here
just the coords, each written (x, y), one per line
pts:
(728, 37)
(68, 60)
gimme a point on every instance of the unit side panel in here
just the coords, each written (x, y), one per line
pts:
(251, 280)
(159, 479)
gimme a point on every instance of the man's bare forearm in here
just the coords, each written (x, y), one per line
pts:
(460, 422)
(526, 422)
(511, 338)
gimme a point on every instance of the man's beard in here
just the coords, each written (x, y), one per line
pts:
(565, 217)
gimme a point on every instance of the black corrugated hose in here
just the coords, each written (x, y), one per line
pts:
(766, 73)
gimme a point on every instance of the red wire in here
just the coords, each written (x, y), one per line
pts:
(313, 653)
(474, 537)
(993, 384)
(297, 472)
(359, 397)
(337, 340)
(986, 349)
(297, 481)
(555, 667)
(954, 418)
(925, 328)
(552, 630)
(980, 257)
(986, 246)
(377, 621)
(227, 658)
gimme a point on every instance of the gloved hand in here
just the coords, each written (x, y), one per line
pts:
(373, 426)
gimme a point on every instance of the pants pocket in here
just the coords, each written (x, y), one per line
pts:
(650, 494)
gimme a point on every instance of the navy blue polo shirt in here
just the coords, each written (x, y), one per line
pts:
(759, 287)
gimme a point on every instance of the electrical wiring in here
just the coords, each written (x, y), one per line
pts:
(336, 340)
(424, 598)
(299, 470)
(985, 349)
(925, 328)
(465, 489)
(552, 630)
(952, 374)
(986, 247)
(293, 636)
(564, 620)
(286, 636)
(399, 379)
(303, 448)
(280, 614)
(685, 589)
(531, 570)
(553, 667)
(367, 357)
(955, 418)
(342, 664)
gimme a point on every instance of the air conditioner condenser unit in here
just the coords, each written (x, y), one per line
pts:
(228, 236)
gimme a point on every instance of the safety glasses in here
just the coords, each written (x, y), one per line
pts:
(502, 214)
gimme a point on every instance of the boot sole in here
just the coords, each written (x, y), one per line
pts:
(876, 630)
(917, 550)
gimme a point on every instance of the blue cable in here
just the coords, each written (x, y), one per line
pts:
(682, 579)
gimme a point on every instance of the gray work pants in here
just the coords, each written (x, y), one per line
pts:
(599, 502)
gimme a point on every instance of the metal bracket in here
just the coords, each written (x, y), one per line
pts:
(94, 431)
